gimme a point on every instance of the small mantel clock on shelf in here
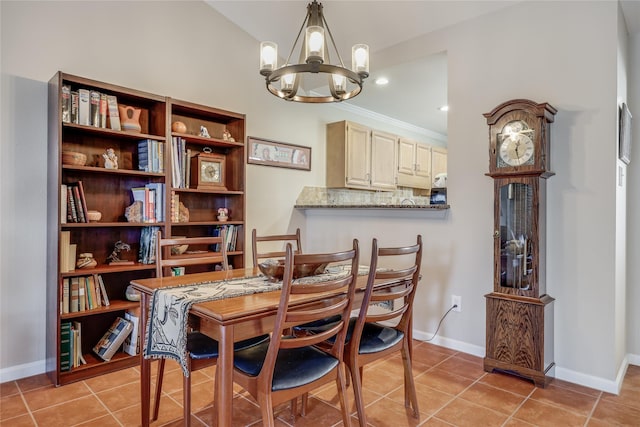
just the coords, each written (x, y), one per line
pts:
(208, 171)
(519, 311)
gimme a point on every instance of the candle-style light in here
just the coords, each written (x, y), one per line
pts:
(341, 83)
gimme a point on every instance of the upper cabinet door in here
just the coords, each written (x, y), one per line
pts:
(423, 161)
(358, 152)
(406, 159)
(383, 160)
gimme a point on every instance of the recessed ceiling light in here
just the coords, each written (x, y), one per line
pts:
(382, 81)
(444, 108)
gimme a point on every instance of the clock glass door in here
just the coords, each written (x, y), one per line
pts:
(516, 232)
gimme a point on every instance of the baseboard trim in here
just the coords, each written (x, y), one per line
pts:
(450, 343)
(609, 386)
(25, 370)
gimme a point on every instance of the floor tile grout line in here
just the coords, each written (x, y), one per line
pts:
(515, 411)
(593, 409)
(104, 405)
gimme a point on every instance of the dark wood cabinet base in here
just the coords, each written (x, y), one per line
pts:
(520, 336)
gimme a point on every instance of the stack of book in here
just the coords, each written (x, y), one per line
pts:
(90, 108)
(113, 339)
(147, 253)
(83, 293)
(151, 156)
(152, 197)
(231, 235)
(72, 195)
(180, 163)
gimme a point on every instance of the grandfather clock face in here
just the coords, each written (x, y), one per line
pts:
(516, 233)
(515, 145)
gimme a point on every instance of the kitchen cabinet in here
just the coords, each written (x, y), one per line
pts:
(414, 164)
(359, 157)
(438, 161)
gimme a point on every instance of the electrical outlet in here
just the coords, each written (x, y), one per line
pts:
(457, 301)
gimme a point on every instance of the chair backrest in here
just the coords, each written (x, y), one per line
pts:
(394, 306)
(332, 295)
(257, 241)
(200, 251)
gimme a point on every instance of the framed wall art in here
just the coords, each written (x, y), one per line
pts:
(271, 153)
(625, 134)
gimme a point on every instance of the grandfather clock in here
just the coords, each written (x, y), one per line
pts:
(519, 311)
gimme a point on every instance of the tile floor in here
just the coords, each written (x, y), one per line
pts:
(453, 390)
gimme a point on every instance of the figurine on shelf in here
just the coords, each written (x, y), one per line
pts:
(110, 159)
(114, 258)
(226, 135)
(204, 132)
(223, 214)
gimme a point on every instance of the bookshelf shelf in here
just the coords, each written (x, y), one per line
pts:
(116, 305)
(110, 191)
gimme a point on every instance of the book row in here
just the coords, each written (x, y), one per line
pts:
(151, 156)
(90, 108)
(124, 333)
(180, 163)
(82, 293)
(152, 197)
(73, 205)
(231, 235)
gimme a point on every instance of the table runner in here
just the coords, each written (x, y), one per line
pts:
(166, 335)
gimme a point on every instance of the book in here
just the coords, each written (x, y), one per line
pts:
(95, 287)
(74, 299)
(94, 108)
(66, 104)
(89, 293)
(103, 290)
(83, 201)
(103, 110)
(82, 294)
(77, 346)
(65, 241)
(72, 214)
(65, 295)
(112, 340)
(75, 101)
(71, 259)
(112, 112)
(83, 107)
(63, 204)
(65, 346)
(132, 342)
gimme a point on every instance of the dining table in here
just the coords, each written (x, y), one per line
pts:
(226, 320)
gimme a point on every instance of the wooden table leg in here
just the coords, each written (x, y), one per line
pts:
(224, 377)
(145, 364)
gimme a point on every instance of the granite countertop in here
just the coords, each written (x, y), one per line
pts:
(370, 206)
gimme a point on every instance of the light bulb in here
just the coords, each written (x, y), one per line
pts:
(315, 41)
(360, 59)
(340, 83)
(314, 44)
(286, 82)
(268, 56)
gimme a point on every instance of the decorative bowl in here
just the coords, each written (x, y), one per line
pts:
(179, 127)
(179, 249)
(274, 269)
(74, 158)
(94, 216)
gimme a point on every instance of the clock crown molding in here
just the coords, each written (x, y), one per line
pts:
(540, 110)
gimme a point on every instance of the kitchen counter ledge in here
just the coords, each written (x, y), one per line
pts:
(401, 207)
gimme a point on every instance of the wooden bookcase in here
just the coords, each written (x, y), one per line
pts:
(109, 191)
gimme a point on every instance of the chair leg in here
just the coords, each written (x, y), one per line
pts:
(266, 408)
(294, 407)
(409, 385)
(159, 377)
(186, 398)
(342, 393)
(356, 380)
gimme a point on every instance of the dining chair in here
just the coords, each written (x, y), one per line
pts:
(261, 241)
(384, 323)
(288, 366)
(202, 350)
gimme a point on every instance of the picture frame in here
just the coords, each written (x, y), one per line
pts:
(624, 152)
(279, 154)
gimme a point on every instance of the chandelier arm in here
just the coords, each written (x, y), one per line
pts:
(304, 22)
(332, 42)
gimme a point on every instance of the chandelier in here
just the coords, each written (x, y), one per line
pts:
(323, 81)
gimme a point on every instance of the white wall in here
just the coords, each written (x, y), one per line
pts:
(633, 205)
(187, 51)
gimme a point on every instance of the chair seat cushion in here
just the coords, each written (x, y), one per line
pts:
(376, 337)
(201, 346)
(319, 325)
(294, 367)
